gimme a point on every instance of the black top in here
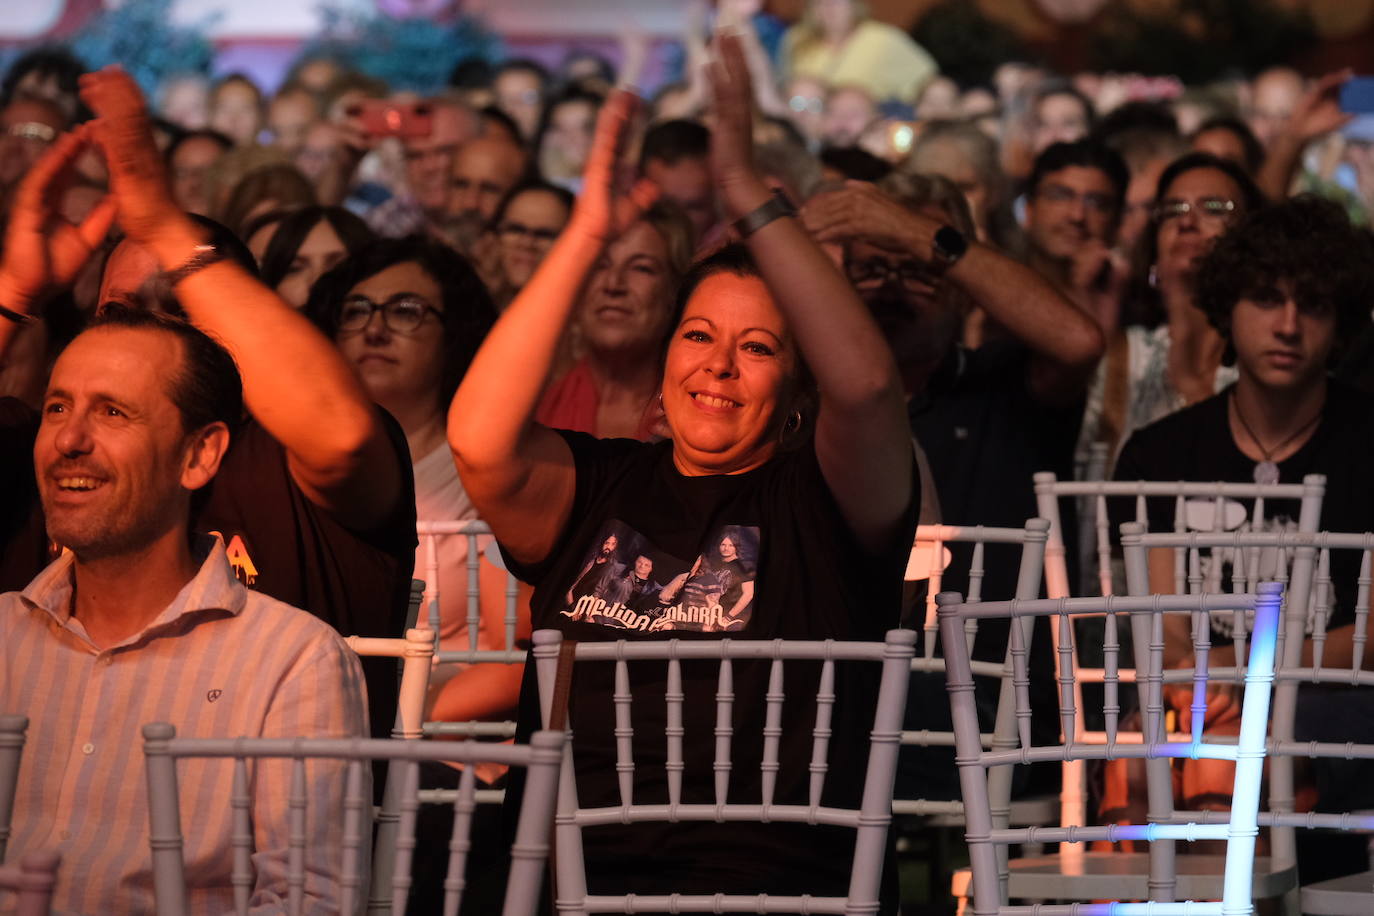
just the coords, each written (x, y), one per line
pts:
(279, 542)
(1196, 444)
(810, 579)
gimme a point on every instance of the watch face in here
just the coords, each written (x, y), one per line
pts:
(950, 243)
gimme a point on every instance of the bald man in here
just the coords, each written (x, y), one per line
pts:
(1273, 96)
(483, 171)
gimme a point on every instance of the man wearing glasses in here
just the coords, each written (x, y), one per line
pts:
(987, 417)
(1073, 207)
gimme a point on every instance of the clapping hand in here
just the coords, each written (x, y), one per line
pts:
(600, 212)
(123, 130)
(43, 250)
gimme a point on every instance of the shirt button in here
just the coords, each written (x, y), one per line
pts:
(88, 748)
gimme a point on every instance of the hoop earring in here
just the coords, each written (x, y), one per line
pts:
(793, 421)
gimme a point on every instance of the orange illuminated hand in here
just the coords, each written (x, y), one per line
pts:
(43, 251)
(599, 211)
(138, 176)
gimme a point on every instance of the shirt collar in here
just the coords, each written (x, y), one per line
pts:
(213, 588)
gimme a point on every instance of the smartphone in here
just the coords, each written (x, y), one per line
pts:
(381, 118)
(1357, 95)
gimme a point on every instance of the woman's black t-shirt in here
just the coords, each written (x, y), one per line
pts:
(812, 580)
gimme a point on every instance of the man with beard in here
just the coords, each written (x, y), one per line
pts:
(988, 418)
(484, 169)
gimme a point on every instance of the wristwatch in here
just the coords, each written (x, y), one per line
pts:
(948, 246)
(775, 207)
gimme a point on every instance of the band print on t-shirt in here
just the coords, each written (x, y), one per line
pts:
(626, 582)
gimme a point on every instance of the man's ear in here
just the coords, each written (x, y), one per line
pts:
(205, 450)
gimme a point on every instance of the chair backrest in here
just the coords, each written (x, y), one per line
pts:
(12, 729)
(31, 880)
(476, 533)
(870, 820)
(928, 559)
(984, 837)
(1194, 505)
(1306, 560)
(162, 749)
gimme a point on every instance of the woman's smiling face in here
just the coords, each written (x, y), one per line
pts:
(729, 364)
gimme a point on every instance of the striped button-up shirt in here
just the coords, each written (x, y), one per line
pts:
(220, 661)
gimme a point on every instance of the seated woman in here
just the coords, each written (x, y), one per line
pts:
(617, 331)
(526, 223)
(408, 314)
(305, 244)
(788, 422)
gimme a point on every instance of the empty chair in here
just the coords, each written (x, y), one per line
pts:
(1190, 506)
(687, 795)
(31, 880)
(1322, 700)
(990, 884)
(163, 749)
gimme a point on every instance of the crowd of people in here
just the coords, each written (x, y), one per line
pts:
(702, 363)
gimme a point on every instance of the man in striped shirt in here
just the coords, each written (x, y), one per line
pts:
(139, 621)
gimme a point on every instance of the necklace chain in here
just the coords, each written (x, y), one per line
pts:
(1269, 452)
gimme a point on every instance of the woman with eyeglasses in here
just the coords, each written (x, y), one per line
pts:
(526, 224)
(408, 315)
(1167, 355)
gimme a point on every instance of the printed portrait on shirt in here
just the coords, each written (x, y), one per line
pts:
(626, 582)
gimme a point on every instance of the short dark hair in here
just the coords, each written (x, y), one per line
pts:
(294, 226)
(51, 61)
(573, 95)
(471, 73)
(562, 194)
(1060, 86)
(207, 389)
(1250, 193)
(1254, 151)
(241, 78)
(854, 163)
(525, 65)
(1085, 154)
(468, 310)
(1307, 241)
(675, 140)
(1137, 115)
(494, 114)
(205, 133)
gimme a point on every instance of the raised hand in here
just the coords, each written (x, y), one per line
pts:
(732, 134)
(860, 211)
(1319, 112)
(123, 130)
(600, 212)
(43, 250)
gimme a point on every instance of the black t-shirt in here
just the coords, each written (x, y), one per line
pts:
(279, 542)
(985, 437)
(811, 580)
(1196, 444)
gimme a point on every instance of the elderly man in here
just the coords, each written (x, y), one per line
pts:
(315, 500)
(428, 161)
(141, 621)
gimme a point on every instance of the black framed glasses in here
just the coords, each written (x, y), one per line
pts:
(1215, 209)
(868, 273)
(513, 231)
(401, 314)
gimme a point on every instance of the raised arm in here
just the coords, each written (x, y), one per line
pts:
(862, 439)
(295, 382)
(519, 474)
(43, 251)
(1065, 342)
(1317, 113)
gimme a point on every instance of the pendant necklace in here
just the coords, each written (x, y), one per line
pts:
(1267, 471)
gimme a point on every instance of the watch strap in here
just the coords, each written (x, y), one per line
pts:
(773, 208)
(202, 256)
